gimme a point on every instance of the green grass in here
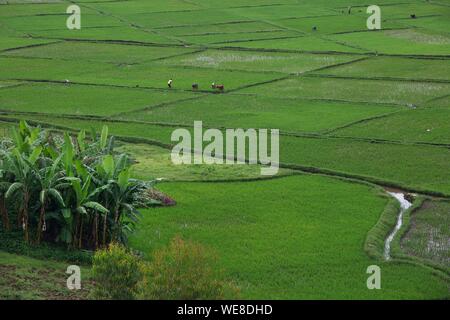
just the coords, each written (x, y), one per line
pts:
(155, 162)
(420, 167)
(371, 91)
(23, 278)
(258, 61)
(17, 42)
(115, 33)
(292, 248)
(236, 111)
(443, 101)
(402, 11)
(417, 125)
(144, 75)
(301, 43)
(329, 24)
(408, 42)
(22, 10)
(160, 133)
(133, 6)
(88, 100)
(156, 75)
(6, 84)
(239, 3)
(432, 23)
(183, 18)
(227, 38)
(219, 29)
(55, 70)
(394, 67)
(113, 53)
(284, 11)
(45, 22)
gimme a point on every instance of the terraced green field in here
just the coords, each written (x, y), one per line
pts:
(282, 244)
(358, 111)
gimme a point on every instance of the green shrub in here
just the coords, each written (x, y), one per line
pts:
(184, 271)
(117, 273)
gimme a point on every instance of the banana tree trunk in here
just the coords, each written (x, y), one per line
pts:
(74, 231)
(116, 219)
(4, 212)
(41, 224)
(80, 238)
(105, 226)
(26, 199)
(95, 231)
(19, 217)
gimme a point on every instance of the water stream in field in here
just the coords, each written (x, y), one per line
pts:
(404, 205)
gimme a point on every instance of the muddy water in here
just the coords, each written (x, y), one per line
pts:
(404, 205)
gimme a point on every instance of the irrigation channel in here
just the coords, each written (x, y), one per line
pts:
(404, 205)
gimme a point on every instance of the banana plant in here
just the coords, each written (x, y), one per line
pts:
(24, 169)
(115, 174)
(73, 184)
(85, 204)
(49, 180)
(125, 214)
(26, 137)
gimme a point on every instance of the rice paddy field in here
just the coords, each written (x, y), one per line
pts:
(359, 112)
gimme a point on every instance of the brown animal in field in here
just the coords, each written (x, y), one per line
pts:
(195, 86)
(218, 87)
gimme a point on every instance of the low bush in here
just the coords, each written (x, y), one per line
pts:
(185, 271)
(117, 273)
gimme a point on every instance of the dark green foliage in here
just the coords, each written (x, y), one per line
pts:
(12, 242)
(69, 190)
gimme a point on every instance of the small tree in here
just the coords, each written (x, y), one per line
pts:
(48, 178)
(116, 273)
(22, 166)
